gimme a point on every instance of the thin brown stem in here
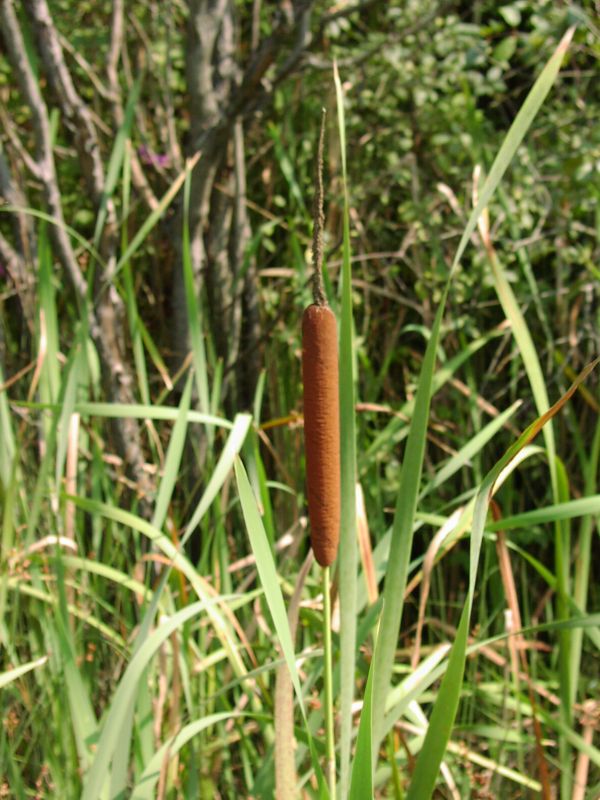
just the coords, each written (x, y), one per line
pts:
(319, 222)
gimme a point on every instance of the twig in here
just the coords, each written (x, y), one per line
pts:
(85, 66)
(21, 150)
(114, 52)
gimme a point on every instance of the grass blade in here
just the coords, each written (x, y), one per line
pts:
(116, 159)
(193, 306)
(144, 789)
(173, 458)
(7, 439)
(155, 215)
(444, 711)
(584, 555)
(132, 410)
(124, 695)
(133, 317)
(6, 678)
(176, 444)
(270, 583)
(348, 555)
(570, 509)
(267, 573)
(361, 786)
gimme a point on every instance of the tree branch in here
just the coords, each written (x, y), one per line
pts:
(9, 129)
(18, 262)
(76, 112)
(85, 66)
(21, 278)
(17, 55)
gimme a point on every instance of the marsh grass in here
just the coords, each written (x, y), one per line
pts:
(131, 670)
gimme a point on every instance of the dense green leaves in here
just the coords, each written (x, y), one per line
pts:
(152, 530)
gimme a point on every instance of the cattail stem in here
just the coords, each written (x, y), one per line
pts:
(319, 223)
(329, 718)
(322, 443)
(321, 397)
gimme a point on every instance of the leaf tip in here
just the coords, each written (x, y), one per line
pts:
(566, 40)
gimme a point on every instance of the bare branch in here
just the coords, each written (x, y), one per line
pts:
(18, 262)
(20, 276)
(255, 89)
(75, 110)
(303, 39)
(9, 129)
(255, 36)
(204, 28)
(170, 116)
(17, 54)
(249, 362)
(116, 43)
(85, 66)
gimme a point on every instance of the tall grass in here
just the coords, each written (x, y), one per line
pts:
(136, 665)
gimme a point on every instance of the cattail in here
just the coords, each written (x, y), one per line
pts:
(321, 399)
(322, 429)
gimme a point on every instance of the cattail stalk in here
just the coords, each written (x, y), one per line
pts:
(321, 402)
(330, 771)
(322, 444)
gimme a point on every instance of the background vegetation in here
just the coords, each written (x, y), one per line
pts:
(156, 176)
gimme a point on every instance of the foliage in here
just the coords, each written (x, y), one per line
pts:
(142, 589)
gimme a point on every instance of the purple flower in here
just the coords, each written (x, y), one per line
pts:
(160, 160)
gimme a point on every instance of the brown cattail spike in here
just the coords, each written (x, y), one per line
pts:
(322, 429)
